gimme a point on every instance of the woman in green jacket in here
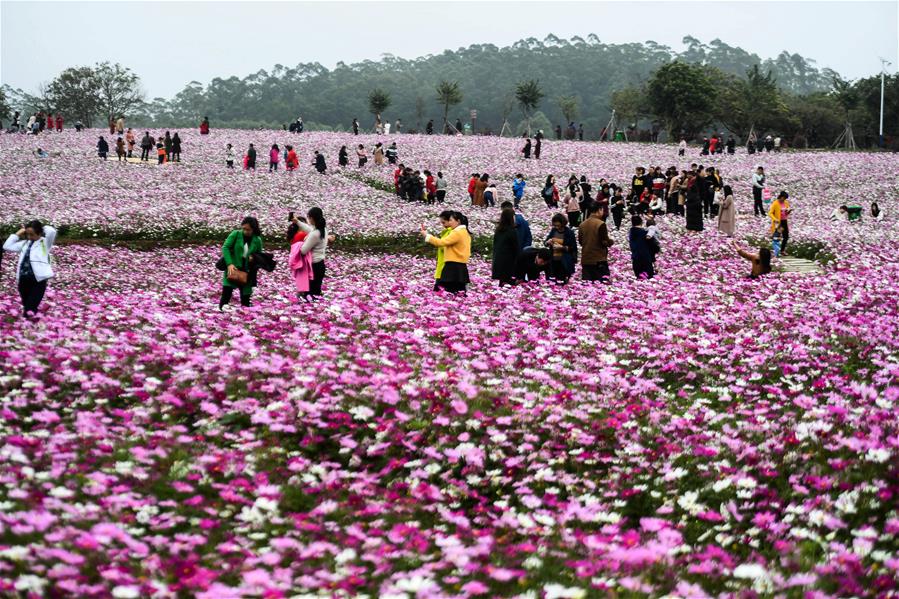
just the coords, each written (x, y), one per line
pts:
(237, 252)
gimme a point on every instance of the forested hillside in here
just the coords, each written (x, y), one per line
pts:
(585, 68)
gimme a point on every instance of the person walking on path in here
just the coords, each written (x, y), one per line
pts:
(237, 254)
(758, 187)
(779, 213)
(727, 213)
(457, 245)
(131, 140)
(505, 248)
(34, 244)
(167, 142)
(593, 235)
(316, 244)
(641, 254)
(146, 144)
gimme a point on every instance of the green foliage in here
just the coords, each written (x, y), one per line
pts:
(753, 102)
(682, 96)
(118, 89)
(528, 94)
(75, 93)
(378, 101)
(537, 122)
(448, 94)
(630, 104)
(569, 107)
(5, 110)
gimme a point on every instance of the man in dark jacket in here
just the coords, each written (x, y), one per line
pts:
(145, 145)
(531, 262)
(593, 235)
(251, 158)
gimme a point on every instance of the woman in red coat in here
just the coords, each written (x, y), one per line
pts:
(58, 122)
(204, 126)
(292, 161)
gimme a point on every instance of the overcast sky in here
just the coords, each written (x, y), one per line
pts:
(168, 44)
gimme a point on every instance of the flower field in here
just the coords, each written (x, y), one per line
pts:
(698, 434)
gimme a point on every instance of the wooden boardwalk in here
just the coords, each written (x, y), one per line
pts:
(800, 265)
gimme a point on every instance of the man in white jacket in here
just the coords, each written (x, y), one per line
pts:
(33, 243)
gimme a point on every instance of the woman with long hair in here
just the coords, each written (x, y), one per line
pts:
(315, 243)
(457, 246)
(761, 261)
(505, 248)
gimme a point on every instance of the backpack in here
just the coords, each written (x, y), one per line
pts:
(548, 193)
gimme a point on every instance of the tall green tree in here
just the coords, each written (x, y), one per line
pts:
(528, 94)
(751, 103)
(118, 89)
(568, 105)
(630, 104)
(76, 94)
(5, 109)
(682, 97)
(448, 94)
(378, 101)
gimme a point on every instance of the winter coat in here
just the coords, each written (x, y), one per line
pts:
(505, 252)
(300, 266)
(727, 216)
(233, 253)
(595, 242)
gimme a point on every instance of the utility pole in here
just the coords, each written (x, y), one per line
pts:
(883, 69)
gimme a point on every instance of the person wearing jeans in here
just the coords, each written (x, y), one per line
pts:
(758, 185)
(33, 243)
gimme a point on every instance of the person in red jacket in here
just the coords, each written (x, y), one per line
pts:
(292, 161)
(58, 122)
(396, 177)
(204, 126)
(475, 177)
(430, 187)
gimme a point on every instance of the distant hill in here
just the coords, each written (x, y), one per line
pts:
(586, 68)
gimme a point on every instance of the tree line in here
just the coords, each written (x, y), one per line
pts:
(653, 90)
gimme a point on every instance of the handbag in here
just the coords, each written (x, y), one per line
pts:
(238, 277)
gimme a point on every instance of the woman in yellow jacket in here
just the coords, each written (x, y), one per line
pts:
(444, 220)
(456, 245)
(779, 212)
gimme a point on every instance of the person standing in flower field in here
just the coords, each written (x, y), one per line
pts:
(129, 137)
(727, 213)
(593, 235)
(146, 144)
(758, 186)
(505, 248)
(342, 157)
(441, 251)
(160, 151)
(526, 150)
(33, 243)
(204, 126)
(102, 148)
(641, 253)
(274, 157)
(292, 161)
(250, 162)
(779, 212)
(361, 155)
(167, 142)
(120, 149)
(319, 163)
(518, 186)
(457, 251)
(522, 227)
(561, 240)
(440, 185)
(58, 123)
(315, 243)
(229, 156)
(176, 147)
(237, 255)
